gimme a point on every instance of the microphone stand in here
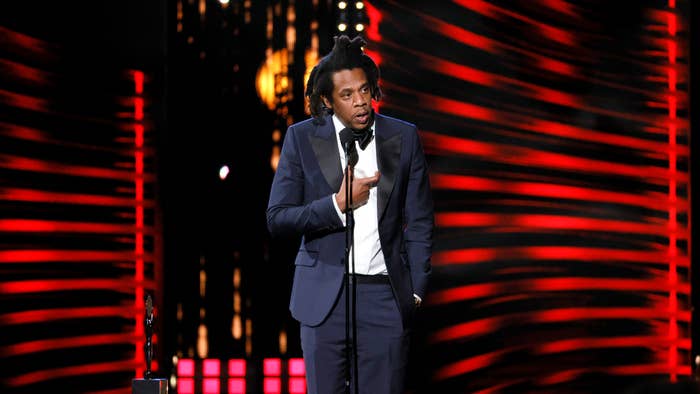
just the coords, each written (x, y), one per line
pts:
(351, 358)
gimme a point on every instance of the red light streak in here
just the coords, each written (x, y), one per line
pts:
(138, 81)
(26, 225)
(138, 108)
(44, 315)
(22, 132)
(500, 387)
(538, 158)
(486, 360)
(573, 314)
(490, 10)
(562, 6)
(46, 345)
(551, 222)
(559, 129)
(456, 70)
(63, 256)
(569, 345)
(469, 365)
(139, 263)
(526, 122)
(483, 290)
(50, 285)
(18, 42)
(519, 87)
(72, 371)
(23, 101)
(484, 326)
(374, 55)
(19, 71)
(453, 32)
(52, 167)
(567, 253)
(31, 195)
(639, 369)
(138, 135)
(464, 36)
(456, 107)
(650, 200)
(375, 17)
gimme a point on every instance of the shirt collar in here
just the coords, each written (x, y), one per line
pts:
(339, 126)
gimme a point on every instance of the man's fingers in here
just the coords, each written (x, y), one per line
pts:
(373, 178)
(370, 180)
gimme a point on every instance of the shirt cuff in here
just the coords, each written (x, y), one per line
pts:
(341, 215)
(417, 299)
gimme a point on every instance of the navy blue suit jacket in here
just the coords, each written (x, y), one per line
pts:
(309, 173)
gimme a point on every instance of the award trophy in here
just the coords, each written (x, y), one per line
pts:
(148, 384)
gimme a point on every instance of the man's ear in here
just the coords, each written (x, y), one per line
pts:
(326, 102)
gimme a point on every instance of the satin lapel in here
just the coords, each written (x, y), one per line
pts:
(326, 150)
(388, 155)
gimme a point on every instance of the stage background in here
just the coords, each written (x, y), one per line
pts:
(138, 141)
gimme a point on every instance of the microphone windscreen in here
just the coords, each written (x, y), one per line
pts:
(345, 137)
(347, 141)
(353, 157)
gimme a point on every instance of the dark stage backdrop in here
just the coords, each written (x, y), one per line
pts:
(558, 138)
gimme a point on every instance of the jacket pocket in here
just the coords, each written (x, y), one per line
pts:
(306, 258)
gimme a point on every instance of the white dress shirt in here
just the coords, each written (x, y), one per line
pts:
(367, 252)
(368, 258)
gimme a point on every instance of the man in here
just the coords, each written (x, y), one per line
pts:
(392, 208)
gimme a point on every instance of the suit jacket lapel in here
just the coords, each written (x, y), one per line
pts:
(388, 155)
(325, 148)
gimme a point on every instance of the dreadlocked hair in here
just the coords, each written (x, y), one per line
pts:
(346, 54)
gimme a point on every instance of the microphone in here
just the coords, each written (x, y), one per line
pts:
(348, 142)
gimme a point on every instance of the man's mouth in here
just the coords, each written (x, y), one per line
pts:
(362, 118)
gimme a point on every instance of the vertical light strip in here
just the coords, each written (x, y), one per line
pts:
(672, 194)
(139, 218)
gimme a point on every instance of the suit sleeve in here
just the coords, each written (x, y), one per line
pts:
(288, 214)
(419, 220)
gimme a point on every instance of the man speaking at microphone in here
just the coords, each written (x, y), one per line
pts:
(392, 208)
